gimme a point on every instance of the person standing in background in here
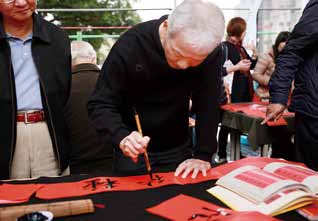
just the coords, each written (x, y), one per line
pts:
(239, 63)
(35, 69)
(90, 153)
(282, 146)
(299, 62)
(265, 66)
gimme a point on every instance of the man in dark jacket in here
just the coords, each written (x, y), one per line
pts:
(35, 81)
(90, 153)
(299, 61)
(153, 69)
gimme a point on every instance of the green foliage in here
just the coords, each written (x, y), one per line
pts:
(93, 18)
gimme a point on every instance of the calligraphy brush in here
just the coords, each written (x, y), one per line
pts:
(145, 153)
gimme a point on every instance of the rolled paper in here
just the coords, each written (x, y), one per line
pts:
(59, 209)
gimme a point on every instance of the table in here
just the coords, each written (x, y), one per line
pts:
(130, 206)
(258, 135)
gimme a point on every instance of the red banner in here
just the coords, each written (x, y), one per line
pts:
(17, 193)
(106, 184)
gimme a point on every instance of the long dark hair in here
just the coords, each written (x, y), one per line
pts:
(281, 37)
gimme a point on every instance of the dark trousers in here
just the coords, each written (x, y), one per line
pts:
(306, 140)
(282, 147)
(222, 141)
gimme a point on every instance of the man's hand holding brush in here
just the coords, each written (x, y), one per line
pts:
(134, 144)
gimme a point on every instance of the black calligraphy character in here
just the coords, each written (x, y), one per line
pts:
(94, 184)
(212, 214)
(110, 184)
(194, 216)
(157, 179)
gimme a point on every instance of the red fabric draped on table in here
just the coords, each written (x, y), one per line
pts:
(256, 109)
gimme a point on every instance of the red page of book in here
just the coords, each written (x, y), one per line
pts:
(258, 178)
(106, 184)
(183, 207)
(298, 174)
(259, 162)
(17, 193)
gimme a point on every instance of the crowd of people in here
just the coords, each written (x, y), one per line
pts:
(60, 114)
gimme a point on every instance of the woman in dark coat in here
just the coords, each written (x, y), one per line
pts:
(237, 62)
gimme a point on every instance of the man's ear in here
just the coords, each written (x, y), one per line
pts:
(163, 29)
(165, 23)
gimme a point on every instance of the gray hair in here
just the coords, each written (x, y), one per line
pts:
(82, 50)
(201, 24)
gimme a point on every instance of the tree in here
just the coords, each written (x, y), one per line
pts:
(94, 18)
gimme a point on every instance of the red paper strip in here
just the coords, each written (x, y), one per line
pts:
(183, 207)
(17, 193)
(280, 122)
(22, 192)
(106, 184)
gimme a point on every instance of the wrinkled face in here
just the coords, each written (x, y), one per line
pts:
(281, 46)
(180, 54)
(17, 10)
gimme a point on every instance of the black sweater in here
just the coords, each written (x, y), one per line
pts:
(137, 75)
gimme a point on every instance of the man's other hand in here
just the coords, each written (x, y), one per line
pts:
(192, 165)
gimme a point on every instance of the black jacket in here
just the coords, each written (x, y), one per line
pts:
(90, 152)
(137, 75)
(299, 61)
(51, 54)
(240, 87)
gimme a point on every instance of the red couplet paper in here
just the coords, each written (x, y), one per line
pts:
(310, 211)
(106, 184)
(183, 207)
(259, 162)
(256, 109)
(235, 107)
(280, 122)
(17, 193)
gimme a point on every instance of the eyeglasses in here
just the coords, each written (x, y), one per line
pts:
(12, 1)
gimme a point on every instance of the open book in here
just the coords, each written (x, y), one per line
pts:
(275, 189)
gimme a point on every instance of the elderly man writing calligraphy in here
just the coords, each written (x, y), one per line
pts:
(155, 68)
